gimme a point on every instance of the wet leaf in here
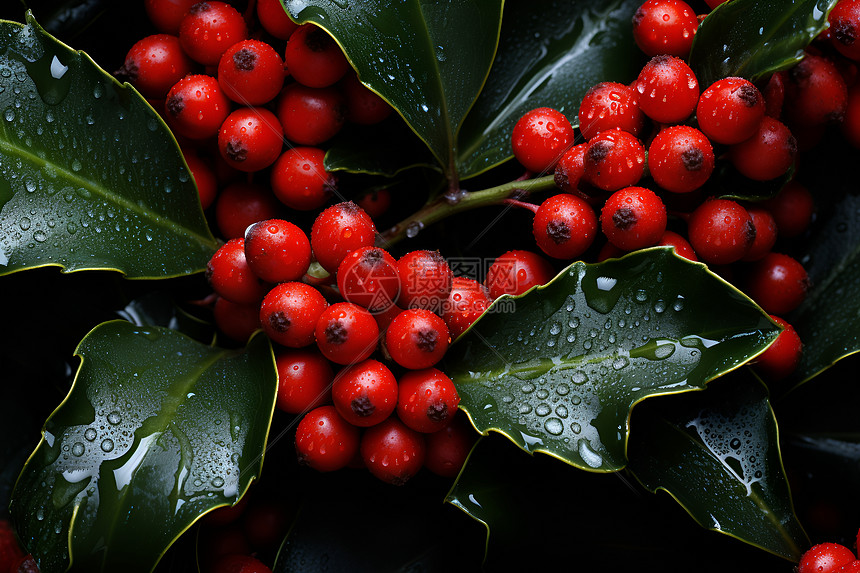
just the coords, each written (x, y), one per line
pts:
(558, 369)
(90, 177)
(550, 53)
(156, 430)
(717, 453)
(753, 39)
(428, 60)
(159, 308)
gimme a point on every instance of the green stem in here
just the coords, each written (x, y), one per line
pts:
(453, 203)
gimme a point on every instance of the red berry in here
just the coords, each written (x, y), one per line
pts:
(304, 380)
(265, 522)
(540, 138)
(515, 272)
(665, 27)
(467, 301)
(564, 226)
(313, 57)
(614, 159)
(338, 231)
(721, 231)
(154, 64)
(311, 116)
(346, 333)
(570, 168)
(208, 29)
(852, 567)
(251, 72)
(730, 110)
(778, 283)
(230, 275)
(765, 233)
(447, 449)
(196, 107)
(10, 551)
(427, 400)
(774, 94)
(782, 356)
(325, 441)
(425, 280)
(204, 179)
(241, 204)
(299, 179)
(633, 218)
(375, 203)
(608, 105)
(166, 15)
(289, 313)
(250, 139)
(274, 19)
(277, 251)
(815, 93)
(667, 90)
(792, 209)
(680, 159)
(237, 321)
(680, 244)
(363, 106)
(767, 154)
(825, 558)
(392, 452)
(417, 339)
(368, 277)
(844, 19)
(365, 394)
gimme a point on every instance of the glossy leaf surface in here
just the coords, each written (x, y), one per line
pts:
(717, 453)
(550, 54)
(156, 430)
(429, 60)
(90, 177)
(753, 39)
(558, 369)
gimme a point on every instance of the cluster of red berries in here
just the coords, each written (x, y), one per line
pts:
(12, 557)
(829, 558)
(639, 166)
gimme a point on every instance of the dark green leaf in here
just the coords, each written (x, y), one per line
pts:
(90, 177)
(753, 39)
(717, 453)
(159, 309)
(550, 53)
(559, 369)
(429, 60)
(157, 430)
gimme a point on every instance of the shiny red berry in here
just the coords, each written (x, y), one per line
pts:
(346, 333)
(368, 277)
(564, 226)
(365, 394)
(154, 64)
(289, 313)
(765, 233)
(570, 168)
(231, 277)
(815, 93)
(338, 231)
(466, 302)
(196, 107)
(665, 27)
(204, 178)
(425, 280)
(237, 321)
(277, 250)
(608, 105)
(166, 15)
(427, 400)
(515, 272)
(313, 57)
(325, 441)
(363, 106)
(311, 116)
(844, 19)
(392, 452)
(540, 138)
(778, 283)
(417, 339)
(730, 110)
(304, 380)
(667, 90)
(633, 218)
(251, 73)
(208, 29)
(614, 159)
(721, 231)
(767, 154)
(792, 209)
(680, 244)
(241, 204)
(274, 19)
(250, 139)
(781, 358)
(680, 159)
(447, 449)
(825, 558)
(299, 179)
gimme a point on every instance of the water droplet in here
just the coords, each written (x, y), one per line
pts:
(218, 481)
(40, 513)
(575, 428)
(78, 449)
(107, 445)
(114, 418)
(40, 236)
(659, 307)
(76, 165)
(620, 362)
(543, 410)
(554, 426)
(641, 295)
(579, 377)
(562, 389)
(9, 114)
(25, 223)
(90, 434)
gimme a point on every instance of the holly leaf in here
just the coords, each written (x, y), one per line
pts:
(90, 176)
(752, 39)
(717, 454)
(156, 430)
(558, 369)
(428, 60)
(550, 53)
